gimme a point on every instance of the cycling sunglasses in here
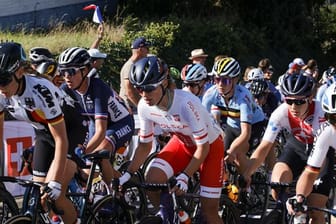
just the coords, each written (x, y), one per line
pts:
(191, 84)
(69, 71)
(297, 102)
(147, 88)
(224, 80)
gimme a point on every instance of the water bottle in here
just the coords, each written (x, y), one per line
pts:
(55, 219)
(184, 217)
(300, 219)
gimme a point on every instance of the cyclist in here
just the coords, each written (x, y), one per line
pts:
(43, 62)
(320, 159)
(111, 124)
(37, 101)
(329, 77)
(263, 96)
(233, 107)
(301, 116)
(195, 141)
(194, 77)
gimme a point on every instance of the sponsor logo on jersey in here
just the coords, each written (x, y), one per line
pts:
(29, 101)
(46, 94)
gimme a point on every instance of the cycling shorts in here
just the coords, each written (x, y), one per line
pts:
(44, 152)
(121, 132)
(295, 155)
(175, 157)
(257, 132)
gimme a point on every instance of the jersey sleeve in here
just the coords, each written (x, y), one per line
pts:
(196, 121)
(323, 141)
(275, 124)
(246, 109)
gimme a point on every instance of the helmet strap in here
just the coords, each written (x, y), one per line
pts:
(81, 83)
(163, 94)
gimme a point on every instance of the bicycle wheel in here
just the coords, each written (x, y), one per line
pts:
(8, 206)
(19, 219)
(256, 202)
(228, 210)
(274, 217)
(110, 210)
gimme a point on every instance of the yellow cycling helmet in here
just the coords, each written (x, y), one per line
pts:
(226, 67)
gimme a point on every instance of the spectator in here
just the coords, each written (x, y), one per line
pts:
(198, 56)
(140, 49)
(100, 36)
(311, 69)
(97, 61)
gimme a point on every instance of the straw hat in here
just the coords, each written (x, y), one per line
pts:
(196, 53)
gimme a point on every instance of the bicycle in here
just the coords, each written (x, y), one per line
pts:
(8, 205)
(252, 203)
(108, 209)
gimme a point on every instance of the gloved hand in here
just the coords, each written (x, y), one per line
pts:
(182, 181)
(53, 190)
(295, 204)
(124, 178)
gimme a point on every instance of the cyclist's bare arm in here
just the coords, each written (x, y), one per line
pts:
(58, 132)
(258, 157)
(197, 159)
(306, 180)
(99, 135)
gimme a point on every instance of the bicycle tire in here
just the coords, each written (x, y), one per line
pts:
(110, 210)
(19, 219)
(274, 217)
(228, 210)
(8, 205)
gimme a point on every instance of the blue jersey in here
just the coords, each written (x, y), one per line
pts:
(241, 107)
(100, 102)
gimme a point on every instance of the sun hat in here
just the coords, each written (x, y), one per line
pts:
(196, 53)
(95, 53)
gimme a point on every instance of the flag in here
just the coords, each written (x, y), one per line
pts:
(97, 17)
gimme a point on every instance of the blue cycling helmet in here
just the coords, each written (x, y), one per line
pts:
(11, 54)
(297, 84)
(148, 70)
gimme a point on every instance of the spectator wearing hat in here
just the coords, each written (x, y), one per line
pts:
(140, 49)
(97, 61)
(198, 56)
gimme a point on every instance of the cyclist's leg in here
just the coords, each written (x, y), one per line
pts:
(63, 203)
(166, 165)
(117, 135)
(211, 173)
(43, 157)
(322, 186)
(281, 173)
(319, 201)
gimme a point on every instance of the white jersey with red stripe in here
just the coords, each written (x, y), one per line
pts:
(324, 140)
(303, 130)
(186, 118)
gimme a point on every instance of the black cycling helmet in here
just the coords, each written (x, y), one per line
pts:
(38, 55)
(258, 87)
(47, 68)
(297, 84)
(5, 77)
(11, 54)
(146, 71)
(74, 57)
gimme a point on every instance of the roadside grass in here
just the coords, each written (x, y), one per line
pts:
(61, 37)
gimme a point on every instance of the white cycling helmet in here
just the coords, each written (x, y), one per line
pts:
(194, 73)
(255, 74)
(329, 99)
